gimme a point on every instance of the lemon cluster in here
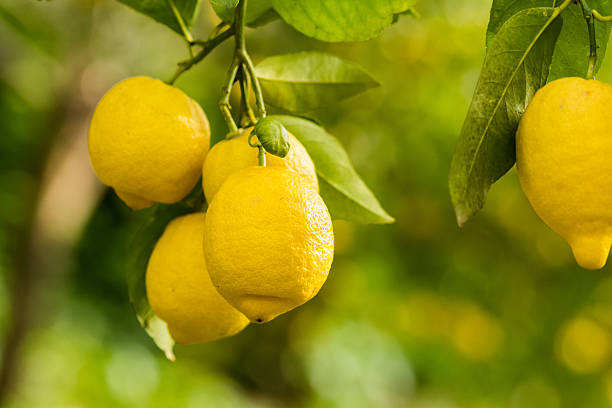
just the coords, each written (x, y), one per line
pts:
(266, 243)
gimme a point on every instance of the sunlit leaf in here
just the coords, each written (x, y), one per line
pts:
(341, 20)
(308, 80)
(159, 10)
(225, 3)
(345, 194)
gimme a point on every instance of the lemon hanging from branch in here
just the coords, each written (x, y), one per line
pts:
(268, 241)
(148, 140)
(564, 160)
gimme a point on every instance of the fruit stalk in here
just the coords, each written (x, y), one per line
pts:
(590, 20)
(247, 115)
(600, 18)
(240, 59)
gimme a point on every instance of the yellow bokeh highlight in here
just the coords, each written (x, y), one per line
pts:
(426, 316)
(470, 330)
(607, 386)
(584, 346)
(477, 335)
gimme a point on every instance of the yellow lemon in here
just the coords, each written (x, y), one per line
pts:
(148, 140)
(268, 241)
(564, 159)
(230, 155)
(179, 288)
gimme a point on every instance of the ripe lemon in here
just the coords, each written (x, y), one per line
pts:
(148, 140)
(230, 155)
(268, 241)
(179, 288)
(564, 160)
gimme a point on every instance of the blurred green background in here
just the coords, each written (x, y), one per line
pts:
(416, 314)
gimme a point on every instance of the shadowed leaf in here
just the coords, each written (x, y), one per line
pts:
(516, 66)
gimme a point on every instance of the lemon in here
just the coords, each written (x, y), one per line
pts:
(268, 241)
(148, 140)
(230, 155)
(564, 160)
(179, 288)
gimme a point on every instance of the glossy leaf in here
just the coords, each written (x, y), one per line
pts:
(345, 194)
(516, 66)
(259, 12)
(225, 3)
(502, 10)
(341, 20)
(308, 80)
(138, 259)
(160, 11)
(572, 49)
(572, 52)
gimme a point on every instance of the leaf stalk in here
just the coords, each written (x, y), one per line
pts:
(207, 47)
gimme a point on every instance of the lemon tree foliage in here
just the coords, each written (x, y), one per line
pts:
(516, 66)
(341, 20)
(347, 197)
(573, 45)
(326, 20)
(308, 80)
(159, 10)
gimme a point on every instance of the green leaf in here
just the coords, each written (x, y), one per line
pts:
(138, 259)
(345, 194)
(224, 3)
(502, 10)
(308, 80)
(160, 11)
(516, 66)
(572, 50)
(259, 12)
(341, 20)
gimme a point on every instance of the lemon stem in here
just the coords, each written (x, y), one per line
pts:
(224, 104)
(207, 47)
(256, 86)
(245, 59)
(262, 156)
(262, 150)
(245, 89)
(241, 59)
(590, 20)
(599, 17)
